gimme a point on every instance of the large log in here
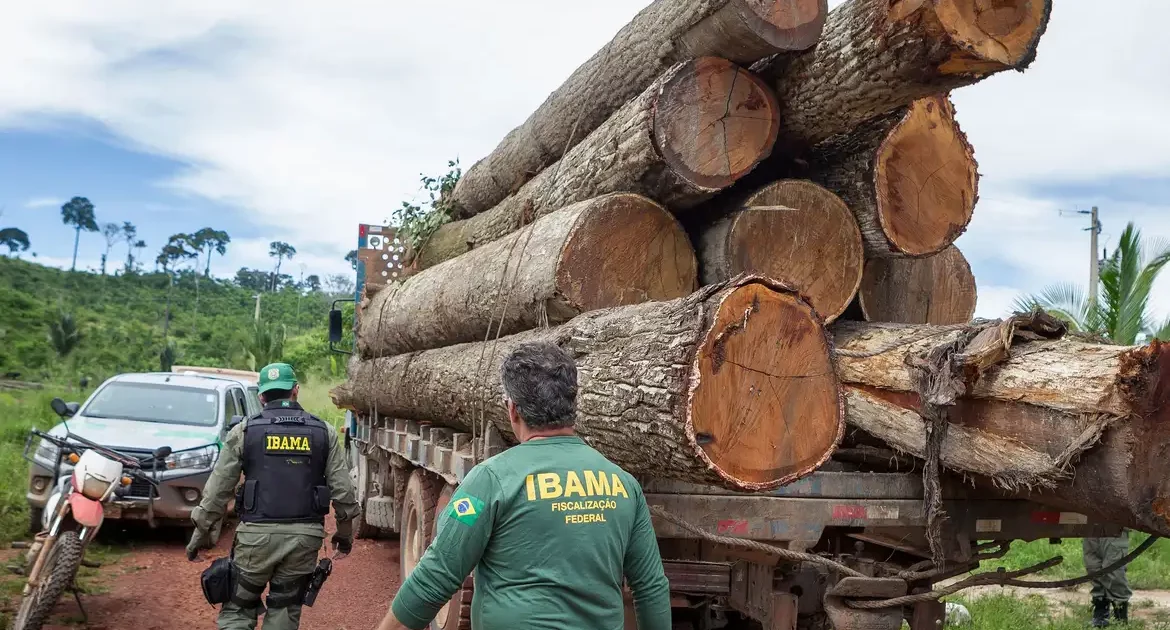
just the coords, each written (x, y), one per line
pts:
(1080, 426)
(609, 251)
(909, 177)
(938, 289)
(696, 130)
(733, 385)
(664, 33)
(878, 55)
(793, 231)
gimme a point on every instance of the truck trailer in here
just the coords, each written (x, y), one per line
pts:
(863, 509)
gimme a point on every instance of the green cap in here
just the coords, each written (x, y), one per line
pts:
(277, 376)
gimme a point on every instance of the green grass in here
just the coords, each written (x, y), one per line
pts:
(314, 397)
(20, 411)
(1033, 612)
(1151, 570)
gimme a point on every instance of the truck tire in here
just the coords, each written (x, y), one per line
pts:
(418, 517)
(455, 614)
(361, 529)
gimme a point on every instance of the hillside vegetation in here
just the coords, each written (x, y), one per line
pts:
(59, 326)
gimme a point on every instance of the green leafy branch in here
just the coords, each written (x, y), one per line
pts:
(416, 223)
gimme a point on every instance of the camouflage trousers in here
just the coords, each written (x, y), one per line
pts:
(283, 562)
(1100, 553)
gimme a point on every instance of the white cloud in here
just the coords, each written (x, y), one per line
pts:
(43, 202)
(995, 301)
(314, 116)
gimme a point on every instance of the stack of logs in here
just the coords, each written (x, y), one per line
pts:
(739, 216)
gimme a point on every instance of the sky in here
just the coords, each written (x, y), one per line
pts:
(296, 120)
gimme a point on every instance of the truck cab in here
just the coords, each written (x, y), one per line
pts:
(188, 410)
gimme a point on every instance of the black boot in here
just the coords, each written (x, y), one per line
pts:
(1100, 613)
(1121, 611)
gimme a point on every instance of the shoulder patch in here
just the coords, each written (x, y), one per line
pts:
(466, 509)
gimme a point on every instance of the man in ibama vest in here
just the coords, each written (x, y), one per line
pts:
(293, 466)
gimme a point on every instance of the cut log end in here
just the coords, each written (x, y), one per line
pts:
(803, 235)
(648, 255)
(939, 289)
(1147, 371)
(787, 25)
(714, 121)
(765, 404)
(992, 35)
(926, 179)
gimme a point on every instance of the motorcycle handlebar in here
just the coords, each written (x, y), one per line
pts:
(70, 439)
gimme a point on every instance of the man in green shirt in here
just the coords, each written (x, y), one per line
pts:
(293, 466)
(550, 526)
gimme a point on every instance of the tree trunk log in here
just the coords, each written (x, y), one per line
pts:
(1079, 426)
(793, 231)
(665, 33)
(878, 55)
(939, 289)
(733, 385)
(609, 251)
(699, 128)
(909, 177)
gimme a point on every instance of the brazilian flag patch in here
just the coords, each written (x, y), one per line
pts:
(466, 509)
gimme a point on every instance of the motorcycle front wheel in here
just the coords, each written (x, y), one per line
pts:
(57, 575)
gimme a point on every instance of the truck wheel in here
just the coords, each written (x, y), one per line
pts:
(455, 614)
(418, 517)
(362, 483)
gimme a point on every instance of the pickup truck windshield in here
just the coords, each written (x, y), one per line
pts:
(155, 403)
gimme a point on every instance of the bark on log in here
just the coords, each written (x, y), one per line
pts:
(1076, 425)
(909, 177)
(696, 130)
(793, 231)
(939, 289)
(878, 55)
(733, 384)
(609, 251)
(665, 33)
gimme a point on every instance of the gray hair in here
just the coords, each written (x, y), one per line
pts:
(541, 379)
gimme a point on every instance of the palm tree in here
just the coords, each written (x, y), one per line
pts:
(280, 251)
(64, 335)
(1163, 331)
(265, 345)
(139, 245)
(1127, 277)
(78, 212)
(209, 240)
(14, 239)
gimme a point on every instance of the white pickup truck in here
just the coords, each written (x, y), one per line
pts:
(188, 409)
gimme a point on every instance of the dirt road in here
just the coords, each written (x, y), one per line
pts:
(154, 587)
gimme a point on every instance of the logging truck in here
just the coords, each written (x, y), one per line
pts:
(862, 507)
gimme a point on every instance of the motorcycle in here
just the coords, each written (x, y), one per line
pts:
(73, 515)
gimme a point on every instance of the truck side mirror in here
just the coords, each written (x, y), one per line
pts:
(162, 452)
(335, 330)
(64, 409)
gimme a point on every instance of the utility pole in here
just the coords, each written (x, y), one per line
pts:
(1094, 263)
(256, 317)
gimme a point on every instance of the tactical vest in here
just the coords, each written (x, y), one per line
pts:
(285, 452)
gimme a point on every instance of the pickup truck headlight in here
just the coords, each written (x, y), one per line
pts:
(47, 451)
(198, 458)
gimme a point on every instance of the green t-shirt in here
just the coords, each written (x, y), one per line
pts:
(550, 527)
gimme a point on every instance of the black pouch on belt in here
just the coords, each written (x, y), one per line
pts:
(219, 580)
